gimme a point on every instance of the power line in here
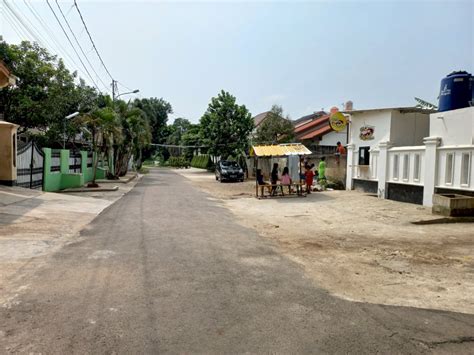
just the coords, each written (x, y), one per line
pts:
(74, 48)
(80, 47)
(90, 37)
(20, 20)
(53, 38)
(15, 27)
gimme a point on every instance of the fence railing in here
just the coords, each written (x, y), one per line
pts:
(455, 168)
(75, 161)
(406, 165)
(55, 160)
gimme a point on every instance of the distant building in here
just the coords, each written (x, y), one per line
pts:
(315, 132)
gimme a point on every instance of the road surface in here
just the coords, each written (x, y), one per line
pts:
(167, 269)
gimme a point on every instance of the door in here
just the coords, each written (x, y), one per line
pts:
(30, 162)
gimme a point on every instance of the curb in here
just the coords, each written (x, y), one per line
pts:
(90, 189)
(123, 181)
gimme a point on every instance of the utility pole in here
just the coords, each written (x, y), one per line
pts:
(114, 89)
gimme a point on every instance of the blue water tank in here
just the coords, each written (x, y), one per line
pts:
(457, 91)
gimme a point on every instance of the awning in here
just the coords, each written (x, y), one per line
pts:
(280, 150)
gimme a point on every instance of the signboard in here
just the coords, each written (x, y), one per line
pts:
(338, 121)
(367, 133)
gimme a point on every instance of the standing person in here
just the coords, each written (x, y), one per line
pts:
(286, 179)
(340, 150)
(274, 178)
(322, 172)
(309, 175)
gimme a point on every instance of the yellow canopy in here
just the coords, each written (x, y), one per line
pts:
(279, 150)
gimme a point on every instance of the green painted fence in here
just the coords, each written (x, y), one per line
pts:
(63, 179)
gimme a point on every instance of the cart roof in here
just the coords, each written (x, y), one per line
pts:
(280, 150)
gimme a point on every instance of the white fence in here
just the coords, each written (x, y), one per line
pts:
(406, 165)
(455, 168)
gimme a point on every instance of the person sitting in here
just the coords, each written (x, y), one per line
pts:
(261, 182)
(285, 179)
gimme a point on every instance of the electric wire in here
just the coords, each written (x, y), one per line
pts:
(20, 20)
(92, 41)
(15, 27)
(57, 47)
(79, 45)
(74, 48)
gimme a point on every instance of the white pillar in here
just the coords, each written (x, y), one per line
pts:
(350, 166)
(431, 169)
(382, 168)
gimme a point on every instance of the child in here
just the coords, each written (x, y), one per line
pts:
(286, 179)
(309, 175)
(322, 172)
(274, 178)
(261, 182)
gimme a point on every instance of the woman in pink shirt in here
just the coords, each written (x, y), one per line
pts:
(285, 179)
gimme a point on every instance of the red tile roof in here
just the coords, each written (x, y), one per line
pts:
(312, 124)
(313, 134)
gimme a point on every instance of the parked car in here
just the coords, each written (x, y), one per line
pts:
(229, 170)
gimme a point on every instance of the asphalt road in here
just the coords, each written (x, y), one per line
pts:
(167, 269)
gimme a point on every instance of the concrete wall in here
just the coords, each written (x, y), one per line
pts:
(333, 137)
(7, 152)
(455, 127)
(409, 129)
(63, 179)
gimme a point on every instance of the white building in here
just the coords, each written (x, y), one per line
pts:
(408, 154)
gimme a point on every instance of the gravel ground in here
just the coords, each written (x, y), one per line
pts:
(359, 247)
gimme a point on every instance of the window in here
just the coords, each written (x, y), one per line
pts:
(364, 156)
(465, 168)
(395, 167)
(416, 167)
(448, 179)
(406, 161)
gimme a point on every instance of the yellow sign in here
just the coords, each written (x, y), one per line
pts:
(337, 121)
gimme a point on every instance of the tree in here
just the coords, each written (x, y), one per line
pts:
(156, 111)
(45, 91)
(136, 136)
(102, 123)
(225, 126)
(175, 133)
(275, 129)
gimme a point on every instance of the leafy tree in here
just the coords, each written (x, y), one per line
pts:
(156, 111)
(276, 128)
(175, 133)
(45, 91)
(225, 126)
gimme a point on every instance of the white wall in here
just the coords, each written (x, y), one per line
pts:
(409, 129)
(456, 127)
(410, 177)
(380, 120)
(333, 137)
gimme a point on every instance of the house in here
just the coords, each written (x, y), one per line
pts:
(408, 153)
(8, 140)
(6, 77)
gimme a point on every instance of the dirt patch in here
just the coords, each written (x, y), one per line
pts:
(359, 247)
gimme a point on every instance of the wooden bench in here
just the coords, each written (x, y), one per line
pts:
(279, 187)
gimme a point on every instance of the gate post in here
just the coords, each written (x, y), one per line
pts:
(64, 161)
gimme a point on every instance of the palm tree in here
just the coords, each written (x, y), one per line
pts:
(136, 135)
(102, 124)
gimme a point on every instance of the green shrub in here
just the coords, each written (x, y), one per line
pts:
(201, 161)
(178, 162)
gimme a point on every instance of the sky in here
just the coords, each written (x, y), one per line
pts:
(302, 55)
